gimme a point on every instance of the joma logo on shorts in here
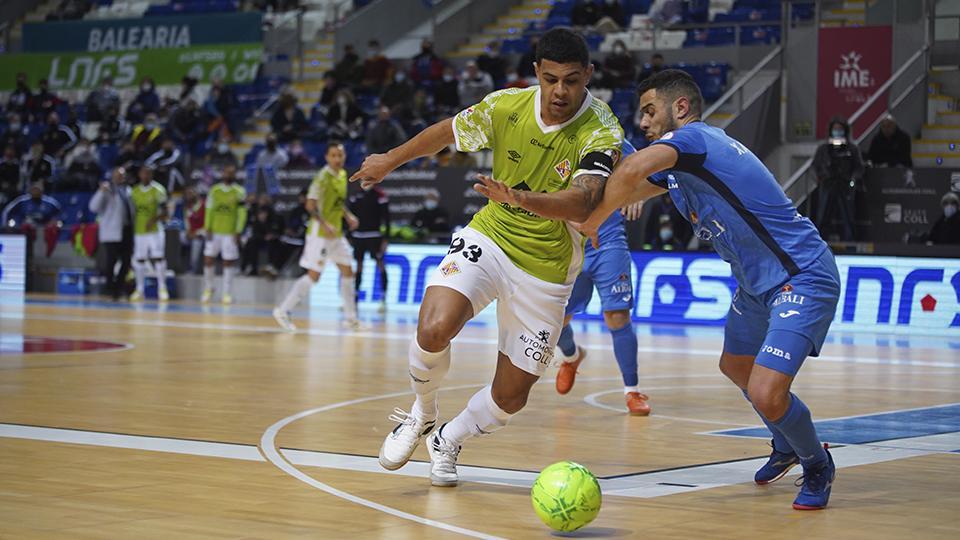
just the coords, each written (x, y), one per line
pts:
(779, 353)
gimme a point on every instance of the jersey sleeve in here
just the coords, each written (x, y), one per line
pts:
(315, 189)
(684, 141)
(208, 216)
(473, 126)
(658, 179)
(601, 140)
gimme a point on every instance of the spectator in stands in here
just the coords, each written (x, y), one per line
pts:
(113, 128)
(584, 13)
(890, 147)
(611, 17)
(145, 102)
(186, 126)
(667, 12)
(619, 68)
(115, 213)
(426, 67)
(662, 210)
(9, 176)
(838, 167)
(127, 158)
(32, 210)
(13, 134)
(295, 229)
(194, 212)
(432, 218)
(421, 114)
(946, 230)
(525, 64)
(344, 118)
(82, 166)
(398, 95)
(384, 133)
(70, 10)
(58, 138)
(44, 101)
(655, 66)
(146, 137)
(446, 93)
(474, 84)
(376, 68)
(665, 239)
(492, 63)
(221, 156)
(288, 121)
(37, 166)
(330, 88)
(19, 100)
(167, 166)
(462, 159)
(299, 159)
(213, 117)
(272, 156)
(348, 69)
(101, 100)
(372, 208)
(697, 11)
(264, 228)
(188, 89)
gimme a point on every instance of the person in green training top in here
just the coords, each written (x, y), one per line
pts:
(556, 139)
(326, 203)
(150, 203)
(224, 220)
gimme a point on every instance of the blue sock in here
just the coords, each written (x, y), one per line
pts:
(780, 443)
(625, 349)
(798, 429)
(565, 342)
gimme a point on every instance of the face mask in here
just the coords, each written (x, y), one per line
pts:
(448, 78)
(223, 148)
(619, 50)
(837, 134)
(373, 53)
(15, 127)
(150, 126)
(296, 150)
(271, 146)
(341, 101)
(666, 234)
(401, 76)
(429, 204)
(949, 210)
(145, 88)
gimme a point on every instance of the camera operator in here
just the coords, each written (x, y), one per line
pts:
(839, 168)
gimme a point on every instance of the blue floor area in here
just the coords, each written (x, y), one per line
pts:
(877, 427)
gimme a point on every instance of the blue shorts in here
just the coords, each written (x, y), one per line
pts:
(785, 324)
(609, 271)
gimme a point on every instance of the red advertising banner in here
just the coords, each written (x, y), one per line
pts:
(852, 63)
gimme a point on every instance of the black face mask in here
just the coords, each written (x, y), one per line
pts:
(271, 146)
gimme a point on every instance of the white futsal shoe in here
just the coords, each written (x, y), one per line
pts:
(443, 460)
(283, 319)
(403, 440)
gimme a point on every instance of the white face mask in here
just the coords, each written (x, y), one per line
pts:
(223, 148)
(666, 234)
(949, 210)
(429, 204)
(341, 101)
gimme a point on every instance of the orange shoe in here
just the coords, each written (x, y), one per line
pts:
(568, 372)
(636, 403)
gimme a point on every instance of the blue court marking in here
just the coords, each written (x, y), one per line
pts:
(872, 428)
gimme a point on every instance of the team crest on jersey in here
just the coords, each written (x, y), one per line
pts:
(788, 288)
(450, 269)
(563, 169)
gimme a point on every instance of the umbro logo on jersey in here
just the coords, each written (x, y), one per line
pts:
(789, 314)
(514, 156)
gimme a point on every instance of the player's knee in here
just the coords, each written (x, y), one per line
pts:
(510, 400)
(616, 319)
(434, 333)
(770, 401)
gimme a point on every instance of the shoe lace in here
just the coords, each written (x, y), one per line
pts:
(408, 431)
(813, 480)
(447, 454)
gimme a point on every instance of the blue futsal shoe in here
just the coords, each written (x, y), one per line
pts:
(816, 484)
(778, 465)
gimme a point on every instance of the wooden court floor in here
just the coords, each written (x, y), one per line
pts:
(210, 423)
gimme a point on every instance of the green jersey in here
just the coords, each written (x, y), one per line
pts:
(529, 155)
(329, 189)
(147, 201)
(225, 212)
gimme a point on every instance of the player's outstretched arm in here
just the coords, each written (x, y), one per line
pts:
(426, 143)
(573, 204)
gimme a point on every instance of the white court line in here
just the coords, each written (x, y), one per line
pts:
(591, 399)
(272, 329)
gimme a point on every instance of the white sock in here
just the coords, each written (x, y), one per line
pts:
(139, 274)
(208, 278)
(349, 297)
(228, 273)
(628, 389)
(427, 370)
(299, 291)
(160, 267)
(481, 417)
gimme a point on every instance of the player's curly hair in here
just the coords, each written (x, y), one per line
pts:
(563, 46)
(674, 83)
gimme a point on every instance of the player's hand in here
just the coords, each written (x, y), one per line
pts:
(105, 187)
(352, 221)
(591, 231)
(374, 168)
(495, 190)
(632, 212)
(327, 228)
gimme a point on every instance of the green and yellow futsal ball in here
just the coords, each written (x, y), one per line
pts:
(566, 496)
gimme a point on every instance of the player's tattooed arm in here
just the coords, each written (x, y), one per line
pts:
(574, 204)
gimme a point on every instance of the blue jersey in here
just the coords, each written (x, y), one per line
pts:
(611, 233)
(732, 200)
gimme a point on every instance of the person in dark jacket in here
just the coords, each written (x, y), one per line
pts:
(946, 230)
(839, 167)
(372, 208)
(890, 147)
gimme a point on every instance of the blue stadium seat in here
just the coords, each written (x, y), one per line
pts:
(636, 7)
(712, 78)
(107, 154)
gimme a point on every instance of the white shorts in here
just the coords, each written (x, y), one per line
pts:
(317, 250)
(149, 245)
(222, 245)
(529, 310)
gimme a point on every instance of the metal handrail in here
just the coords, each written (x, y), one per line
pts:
(742, 82)
(795, 177)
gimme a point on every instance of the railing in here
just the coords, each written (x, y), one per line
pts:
(286, 38)
(737, 89)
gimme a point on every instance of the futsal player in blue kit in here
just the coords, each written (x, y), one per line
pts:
(788, 283)
(606, 268)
